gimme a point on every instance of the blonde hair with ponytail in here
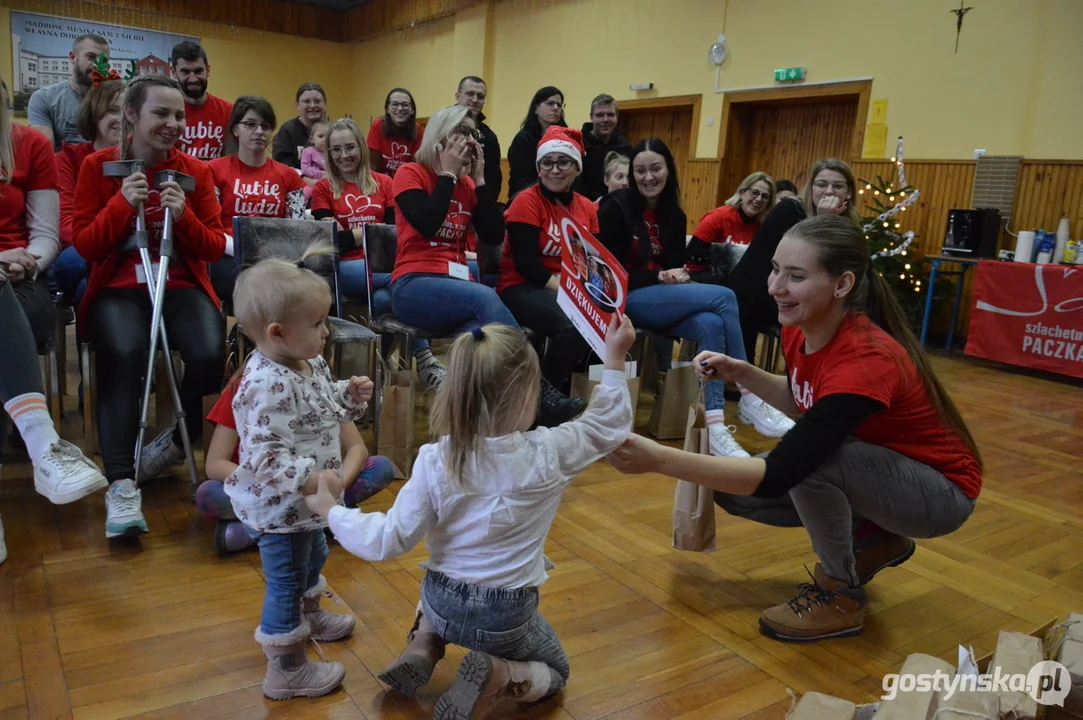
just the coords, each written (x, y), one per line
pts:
(840, 248)
(493, 380)
(276, 291)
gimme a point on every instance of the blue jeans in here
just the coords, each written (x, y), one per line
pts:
(475, 272)
(291, 565)
(504, 623)
(706, 314)
(442, 303)
(355, 285)
(69, 270)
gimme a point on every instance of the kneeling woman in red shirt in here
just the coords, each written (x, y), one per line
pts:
(116, 310)
(881, 453)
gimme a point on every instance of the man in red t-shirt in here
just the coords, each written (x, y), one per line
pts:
(206, 116)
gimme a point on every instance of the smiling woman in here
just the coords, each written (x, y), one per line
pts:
(116, 312)
(394, 139)
(293, 136)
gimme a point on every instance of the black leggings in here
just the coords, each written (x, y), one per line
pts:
(38, 309)
(536, 308)
(19, 373)
(119, 329)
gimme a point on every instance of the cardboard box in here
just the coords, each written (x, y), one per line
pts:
(814, 706)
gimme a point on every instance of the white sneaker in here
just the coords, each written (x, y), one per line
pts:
(431, 373)
(722, 442)
(124, 510)
(64, 474)
(3, 545)
(767, 419)
(160, 455)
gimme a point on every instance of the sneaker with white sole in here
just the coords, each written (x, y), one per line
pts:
(124, 510)
(723, 443)
(431, 372)
(3, 545)
(64, 474)
(767, 419)
(160, 455)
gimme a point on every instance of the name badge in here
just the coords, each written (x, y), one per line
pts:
(458, 271)
(141, 275)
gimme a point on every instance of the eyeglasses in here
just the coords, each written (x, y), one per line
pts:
(400, 106)
(468, 131)
(553, 104)
(824, 185)
(562, 164)
(252, 125)
(757, 194)
(346, 150)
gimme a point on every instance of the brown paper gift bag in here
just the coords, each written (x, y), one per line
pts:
(397, 420)
(814, 706)
(583, 383)
(1016, 653)
(670, 414)
(693, 505)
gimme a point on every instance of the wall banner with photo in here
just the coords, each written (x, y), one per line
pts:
(40, 45)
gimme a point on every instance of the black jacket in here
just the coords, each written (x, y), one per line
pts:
(522, 160)
(490, 148)
(749, 279)
(289, 142)
(619, 220)
(591, 182)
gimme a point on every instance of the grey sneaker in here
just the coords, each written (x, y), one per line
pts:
(124, 510)
(160, 455)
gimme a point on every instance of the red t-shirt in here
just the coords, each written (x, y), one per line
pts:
(395, 151)
(35, 169)
(353, 209)
(724, 224)
(650, 219)
(420, 254)
(205, 128)
(222, 413)
(864, 360)
(532, 208)
(68, 161)
(247, 191)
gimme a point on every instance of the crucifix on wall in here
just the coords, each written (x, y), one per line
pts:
(959, 12)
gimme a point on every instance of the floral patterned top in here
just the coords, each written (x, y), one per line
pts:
(289, 427)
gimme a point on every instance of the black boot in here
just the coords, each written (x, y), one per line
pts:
(554, 408)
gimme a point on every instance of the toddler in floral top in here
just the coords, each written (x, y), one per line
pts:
(288, 412)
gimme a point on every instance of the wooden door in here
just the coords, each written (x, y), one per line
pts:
(672, 125)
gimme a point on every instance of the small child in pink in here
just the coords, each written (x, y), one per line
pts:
(312, 160)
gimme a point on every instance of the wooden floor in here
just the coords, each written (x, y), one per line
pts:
(163, 629)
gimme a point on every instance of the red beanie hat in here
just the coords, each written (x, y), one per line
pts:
(567, 141)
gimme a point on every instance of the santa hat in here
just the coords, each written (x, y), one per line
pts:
(567, 141)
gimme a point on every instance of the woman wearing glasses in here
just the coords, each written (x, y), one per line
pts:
(830, 191)
(736, 222)
(248, 183)
(292, 137)
(530, 266)
(394, 138)
(546, 108)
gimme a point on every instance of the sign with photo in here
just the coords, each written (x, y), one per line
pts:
(40, 45)
(593, 285)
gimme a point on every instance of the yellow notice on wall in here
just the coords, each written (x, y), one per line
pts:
(879, 111)
(875, 140)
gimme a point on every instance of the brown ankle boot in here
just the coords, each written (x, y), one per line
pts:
(326, 627)
(414, 667)
(291, 674)
(484, 681)
(825, 608)
(880, 551)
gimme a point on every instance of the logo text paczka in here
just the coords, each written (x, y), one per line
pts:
(1048, 683)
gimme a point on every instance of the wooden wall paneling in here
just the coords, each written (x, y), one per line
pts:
(380, 17)
(1049, 190)
(699, 189)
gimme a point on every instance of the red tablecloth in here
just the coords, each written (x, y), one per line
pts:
(1029, 315)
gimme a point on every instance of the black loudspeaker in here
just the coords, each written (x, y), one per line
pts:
(972, 233)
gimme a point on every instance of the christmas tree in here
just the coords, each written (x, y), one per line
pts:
(892, 251)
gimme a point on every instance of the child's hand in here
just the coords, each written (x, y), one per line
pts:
(619, 338)
(322, 500)
(360, 388)
(330, 478)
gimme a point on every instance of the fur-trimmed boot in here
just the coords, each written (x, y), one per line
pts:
(413, 669)
(290, 673)
(326, 627)
(484, 681)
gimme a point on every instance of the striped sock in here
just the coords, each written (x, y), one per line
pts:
(31, 416)
(715, 417)
(744, 391)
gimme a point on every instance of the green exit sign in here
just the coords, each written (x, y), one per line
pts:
(793, 74)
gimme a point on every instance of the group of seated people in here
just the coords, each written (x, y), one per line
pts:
(879, 455)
